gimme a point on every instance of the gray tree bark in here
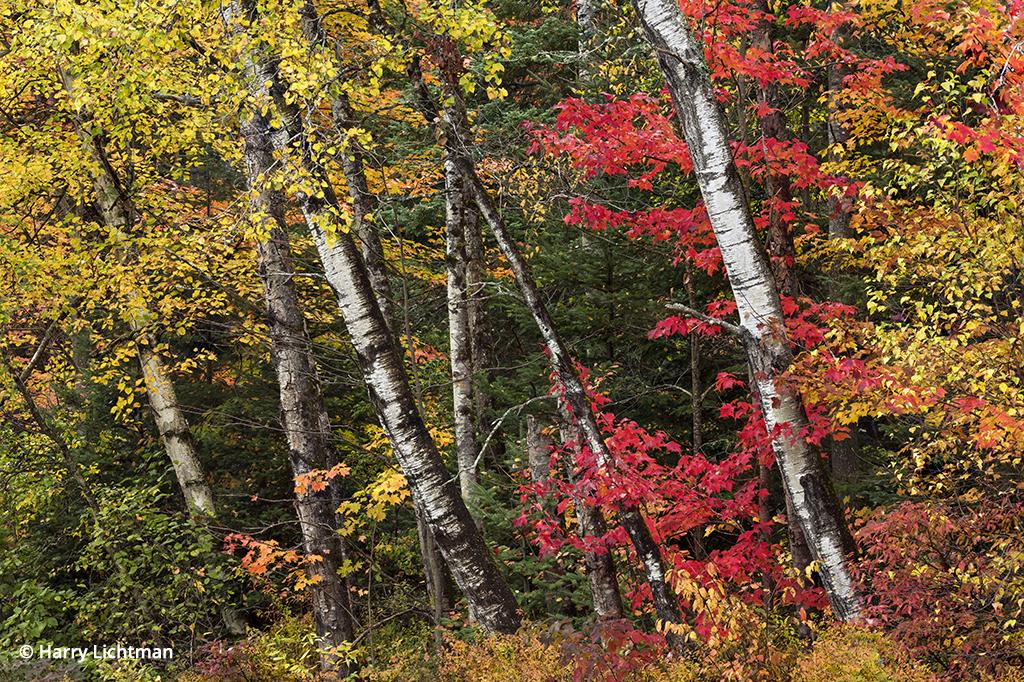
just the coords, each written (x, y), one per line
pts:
(118, 212)
(804, 479)
(303, 416)
(380, 358)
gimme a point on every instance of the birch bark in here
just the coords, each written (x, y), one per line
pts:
(459, 333)
(631, 519)
(303, 416)
(118, 213)
(364, 203)
(380, 358)
(804, 479)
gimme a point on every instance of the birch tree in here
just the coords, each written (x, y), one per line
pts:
(303, 416)
(118, 213)
(363, 203)
(459, 330)
(467, 556)
(804, 479)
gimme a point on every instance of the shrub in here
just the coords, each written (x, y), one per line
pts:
(851, 654)
(946, 580)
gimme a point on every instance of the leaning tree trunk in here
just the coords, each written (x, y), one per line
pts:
(364, 202)
(630, 517)
(303, 415)
(480, 341)
(768, 350)
(171, 424)
(365, 226)
(467, 556)
(118, 213)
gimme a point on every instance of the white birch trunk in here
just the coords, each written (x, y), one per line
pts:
(364, 203)
(804, 479)
(459, 339)
(173, 427)
(631, 518)
(117, 213)
(464, 550)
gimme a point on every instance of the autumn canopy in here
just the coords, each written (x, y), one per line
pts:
(491, 340)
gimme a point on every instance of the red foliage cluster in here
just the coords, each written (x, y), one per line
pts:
(946, 580)
(687, 497)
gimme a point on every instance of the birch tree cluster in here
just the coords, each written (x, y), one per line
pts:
(487, 340)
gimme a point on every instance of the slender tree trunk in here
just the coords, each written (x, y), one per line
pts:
(303, 416)
(538, 457)
(838, 207)
(604, 586)
(380, 358)
(586, 10)
(779, 244)
(575, 396)
(844, 455)
(453, 528)
(364, 202)
(172, 426)
(118, 212)
(538, 451)
(451, 124)
(459, 332)
(696, 385)
(480, 337)
(601, 574)
(778, 187)
(68, 461)
(439, 587)
(804, 478)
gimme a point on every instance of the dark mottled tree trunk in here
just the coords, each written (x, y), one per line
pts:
(778, 187)
(303, 416)
(601, 574)
(779, 244)
(844, 454)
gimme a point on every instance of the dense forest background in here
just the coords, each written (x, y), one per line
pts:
(513, 341)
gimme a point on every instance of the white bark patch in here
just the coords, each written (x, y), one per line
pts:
(755, 292)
